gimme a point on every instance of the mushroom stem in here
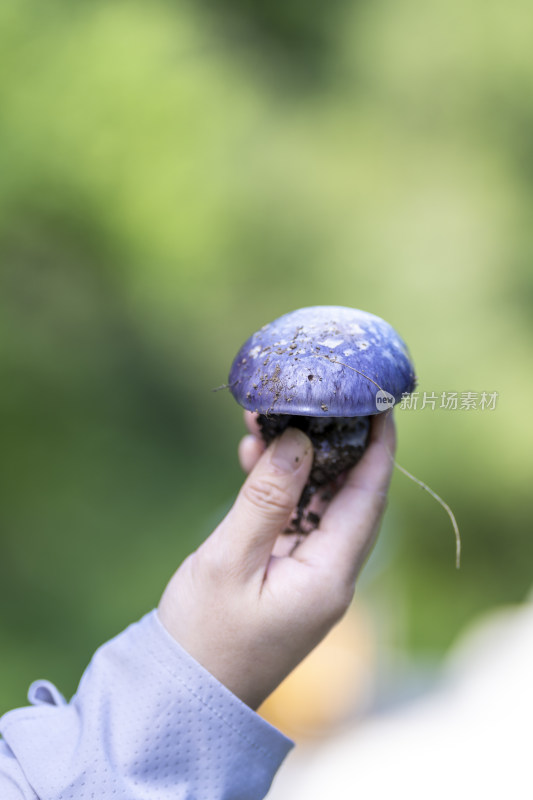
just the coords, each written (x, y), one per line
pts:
(338, 444)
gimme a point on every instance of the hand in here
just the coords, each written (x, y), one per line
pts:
(252, 602)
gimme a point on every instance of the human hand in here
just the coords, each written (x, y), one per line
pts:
(252, 602)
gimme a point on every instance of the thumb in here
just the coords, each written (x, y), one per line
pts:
(267, 499)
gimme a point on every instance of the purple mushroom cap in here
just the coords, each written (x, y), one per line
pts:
(322, 361)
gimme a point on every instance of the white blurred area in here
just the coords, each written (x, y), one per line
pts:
(470, 735)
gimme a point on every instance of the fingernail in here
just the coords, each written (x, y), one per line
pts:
(290, 449)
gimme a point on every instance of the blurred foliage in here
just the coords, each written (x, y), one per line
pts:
(300, 35)
(169, 183)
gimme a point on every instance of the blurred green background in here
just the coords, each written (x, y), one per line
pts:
(175, 175)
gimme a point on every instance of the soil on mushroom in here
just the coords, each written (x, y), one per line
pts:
(338, 444)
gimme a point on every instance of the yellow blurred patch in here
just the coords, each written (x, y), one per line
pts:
(331, 685)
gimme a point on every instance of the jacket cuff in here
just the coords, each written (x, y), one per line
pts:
(146, 717)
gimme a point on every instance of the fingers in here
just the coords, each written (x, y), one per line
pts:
(349, 525)
(252, 446)
(266, 501)
(250, 420)
(250, 451)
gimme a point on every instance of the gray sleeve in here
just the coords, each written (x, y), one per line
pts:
(147, 723)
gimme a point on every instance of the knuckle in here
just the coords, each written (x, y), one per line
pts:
(208, 563)
(339, 599)
(215, 567)
(267, 496)
(214, 555)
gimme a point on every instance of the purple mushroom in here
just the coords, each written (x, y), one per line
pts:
(325, 370)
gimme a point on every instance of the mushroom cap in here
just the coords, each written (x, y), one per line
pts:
(322, 361)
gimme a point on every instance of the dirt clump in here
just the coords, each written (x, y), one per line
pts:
(338, 444)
